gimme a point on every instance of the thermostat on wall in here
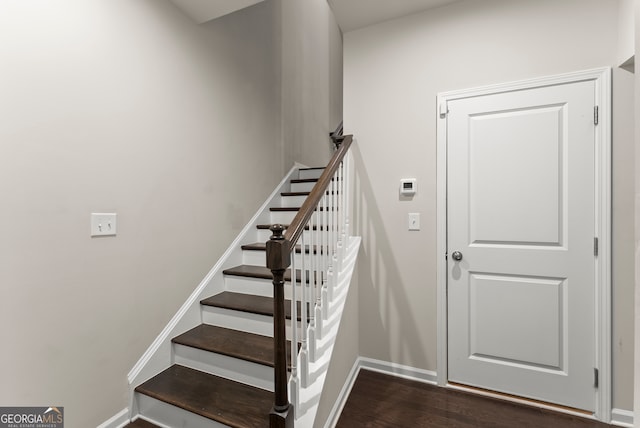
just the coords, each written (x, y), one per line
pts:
(408, 186)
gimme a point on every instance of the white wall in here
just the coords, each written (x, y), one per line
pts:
(124, 106)
(344, 355)
(623, 269)
(311, 81)
(626, 31)
(393, 72)
(637, 219)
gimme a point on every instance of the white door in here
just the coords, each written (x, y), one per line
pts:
(521, 214)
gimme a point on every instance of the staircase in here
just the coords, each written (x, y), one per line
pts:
(221, 371)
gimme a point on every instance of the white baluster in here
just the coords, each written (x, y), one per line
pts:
(304, 357)
(340, 222)
(332, 242)
(318, 232)
(294, 389)
(313, 281)
(347, 199)
(325, 266)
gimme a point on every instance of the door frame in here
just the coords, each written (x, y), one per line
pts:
(602, 226)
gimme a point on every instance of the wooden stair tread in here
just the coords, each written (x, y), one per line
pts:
(222, 400)
(268, 227)
(311, 168)
(306, 180)
(294, 193)
(293, 209)
(259, 305)
(232, 343)
(251, 272)
(303, 193)
(261, 246)
(284, 209)
(259, 272)
(141, 423)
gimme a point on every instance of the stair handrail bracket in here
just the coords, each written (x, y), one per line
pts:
(311, 247)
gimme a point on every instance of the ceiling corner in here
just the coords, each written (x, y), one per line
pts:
(202, 11)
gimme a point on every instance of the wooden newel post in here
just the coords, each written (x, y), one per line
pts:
(278, 260)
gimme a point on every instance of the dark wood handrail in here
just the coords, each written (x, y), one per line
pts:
(278, 260)
(299, 222)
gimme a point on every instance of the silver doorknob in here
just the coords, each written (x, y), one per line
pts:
(457, 256)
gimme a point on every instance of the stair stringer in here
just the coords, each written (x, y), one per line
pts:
(159, 355)
(306, 400)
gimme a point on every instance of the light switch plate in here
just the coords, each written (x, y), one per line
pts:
(414, 221)
(103, 224)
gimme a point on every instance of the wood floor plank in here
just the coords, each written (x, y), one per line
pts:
(380, 401)
(141, 423)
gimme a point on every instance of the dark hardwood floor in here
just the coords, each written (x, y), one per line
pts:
(141, 423)
(380, 400)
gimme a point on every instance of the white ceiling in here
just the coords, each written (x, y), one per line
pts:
(354, 14)
(350, 14)
(206, 10)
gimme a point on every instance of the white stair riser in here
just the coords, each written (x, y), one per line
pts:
(172, 416)
(282, 217)
(302, 187)
(236, 320)
(242, 371)
(259, 258)
(292, 201)
(255, 286)
(286, 217)
(310, 173)
(263, 235)
(246, 285)
(254, 257)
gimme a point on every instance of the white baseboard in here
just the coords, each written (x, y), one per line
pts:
(119, 420)
(399, 370)
(622, 418)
